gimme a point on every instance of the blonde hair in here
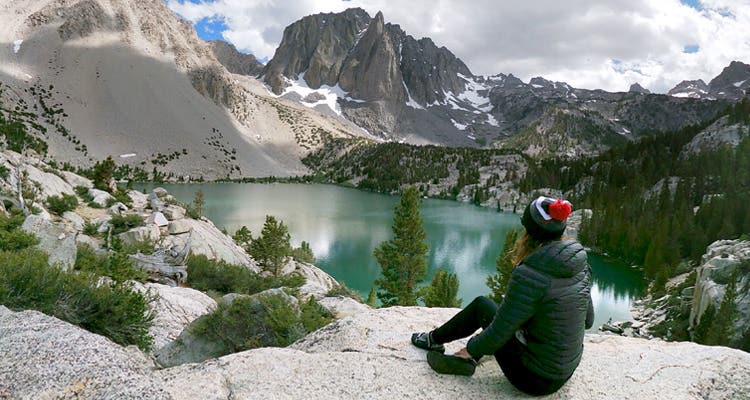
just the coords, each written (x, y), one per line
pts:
(524, 246)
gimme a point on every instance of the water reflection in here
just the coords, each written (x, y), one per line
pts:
(343, 226)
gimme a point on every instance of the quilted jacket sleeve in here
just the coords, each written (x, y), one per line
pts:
(590, 314)
(526, 289)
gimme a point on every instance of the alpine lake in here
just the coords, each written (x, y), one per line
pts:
(344, 225)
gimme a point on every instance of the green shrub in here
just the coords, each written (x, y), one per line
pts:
(28, 282)
(116, 265)
(217, 276)
(265, 321)
(124, 223)
(314, 316)
(83, 192)
(90, 229)
(60, 204)
(16, 239)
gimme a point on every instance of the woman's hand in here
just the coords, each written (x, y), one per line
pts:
(463, 353)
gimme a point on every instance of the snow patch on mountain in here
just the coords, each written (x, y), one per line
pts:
(325, 95)
(17, 46)
(410, 102)
(740, 83)
(472, 95)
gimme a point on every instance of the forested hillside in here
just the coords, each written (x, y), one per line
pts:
(658, 201)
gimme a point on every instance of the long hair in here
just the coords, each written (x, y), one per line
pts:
(525, 245)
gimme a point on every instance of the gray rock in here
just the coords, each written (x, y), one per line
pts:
(234, 61)
(49, 184)
(75, 219)
(45, 358)
(206, 239)
(175, 308)
(179, 227)
(54, 240)
(76, 180)
(157, 204)
(100, 197)
(141, 234)
(317, 282)
(159, 192)
(342, 306)
(94, 243)
(231, 297)
(369, 356)
(102, 223)
(173, 212)
(140, 200)
(719, 265)
(117, 209)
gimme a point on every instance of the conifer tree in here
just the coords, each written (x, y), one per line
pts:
(272, 246)
(443, 290)
(722, 325)
(372, 300)
(403, 259)
(498, 282)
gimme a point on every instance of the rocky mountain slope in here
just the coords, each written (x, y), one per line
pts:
(401, 88)
(733, 84)
(234, 61)
(366, 355)
(95, 78)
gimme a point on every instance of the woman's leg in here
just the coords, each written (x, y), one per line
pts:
(478, 314)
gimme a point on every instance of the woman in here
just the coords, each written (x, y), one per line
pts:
(536, 334)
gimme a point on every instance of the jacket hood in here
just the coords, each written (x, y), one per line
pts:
(559, 258)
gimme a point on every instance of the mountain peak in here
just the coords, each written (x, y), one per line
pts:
(637, 88)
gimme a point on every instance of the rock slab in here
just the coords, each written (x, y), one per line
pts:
(45, 358)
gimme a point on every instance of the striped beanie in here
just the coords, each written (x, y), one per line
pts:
(546, 218)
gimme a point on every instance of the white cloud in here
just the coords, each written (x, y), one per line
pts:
(574, 41)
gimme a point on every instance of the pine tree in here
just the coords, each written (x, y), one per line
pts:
(704, 325)
(722, 324)
(498, 282)
(403, 259)
(198, 203)
(372, 300)
(443, 290)
(272, 246)
(243, 237)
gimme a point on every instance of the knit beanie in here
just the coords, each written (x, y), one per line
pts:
(546, 218)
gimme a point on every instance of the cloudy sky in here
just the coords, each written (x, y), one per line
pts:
(606, 44)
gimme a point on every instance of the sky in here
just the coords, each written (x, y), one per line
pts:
(593, 44)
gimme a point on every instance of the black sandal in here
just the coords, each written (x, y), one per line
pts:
(451, 365)
(423, 340)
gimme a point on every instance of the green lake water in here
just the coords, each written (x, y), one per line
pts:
(343, 226)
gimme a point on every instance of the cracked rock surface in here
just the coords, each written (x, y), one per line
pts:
(363, 356)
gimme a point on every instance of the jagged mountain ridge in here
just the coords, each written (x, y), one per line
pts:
(132, 80)
(410, 90)
(733, 83)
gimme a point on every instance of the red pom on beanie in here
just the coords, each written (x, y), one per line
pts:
(560, 209)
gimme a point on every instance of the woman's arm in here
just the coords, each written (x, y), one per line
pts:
(525, 289)
(590, 314)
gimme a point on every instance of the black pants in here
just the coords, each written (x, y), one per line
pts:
(479, 314)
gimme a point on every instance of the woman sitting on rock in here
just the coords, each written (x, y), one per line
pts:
(536, 333)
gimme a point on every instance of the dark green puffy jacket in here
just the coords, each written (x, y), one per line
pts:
(548, 298)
